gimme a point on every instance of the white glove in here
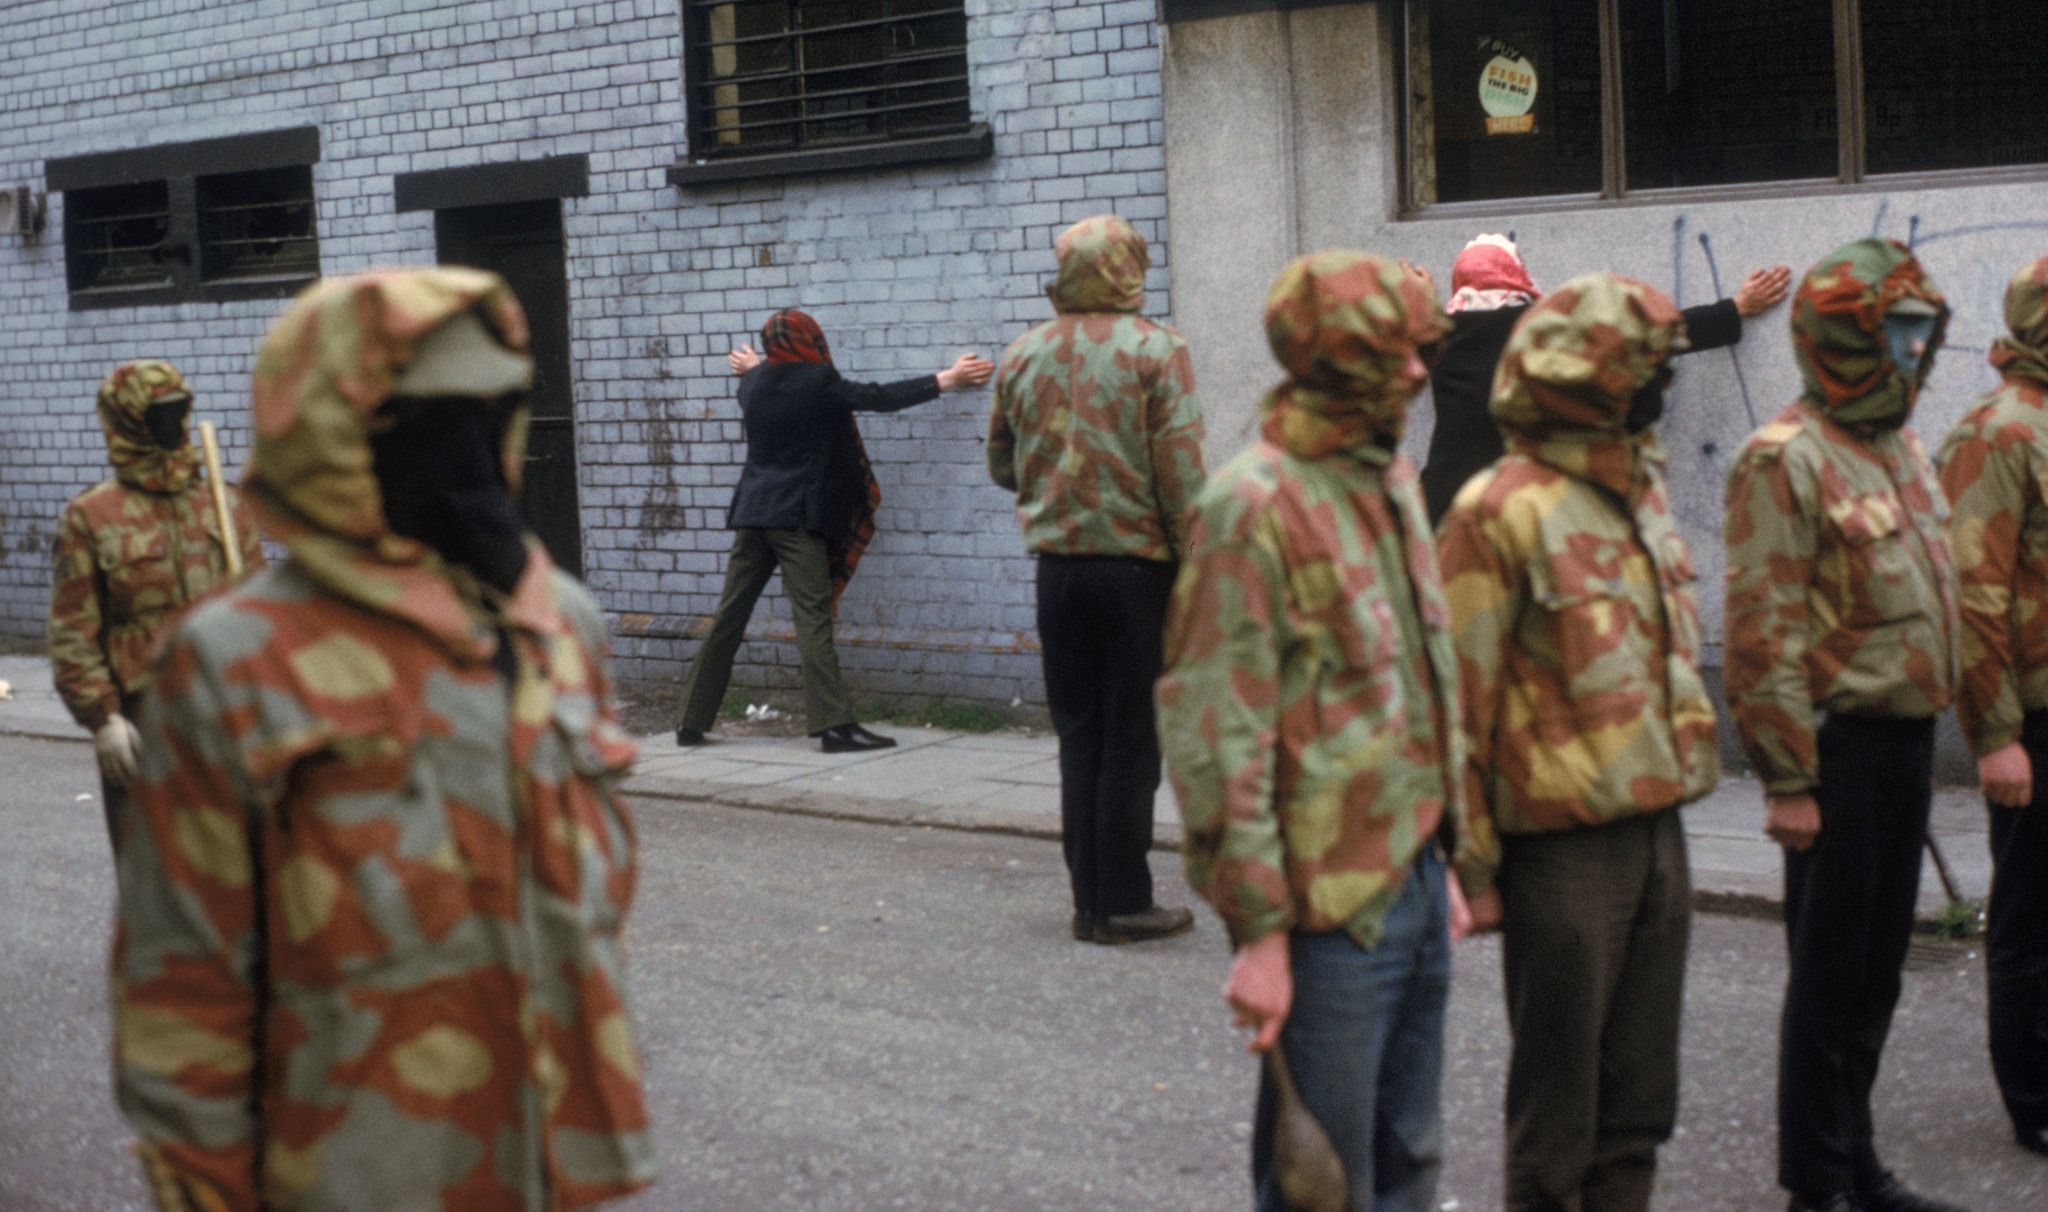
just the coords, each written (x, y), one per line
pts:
(117, 744)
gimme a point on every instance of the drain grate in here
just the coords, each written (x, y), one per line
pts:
(1933, 955)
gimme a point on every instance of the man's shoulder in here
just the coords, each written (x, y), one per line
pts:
(101, 504)
(1791, 435)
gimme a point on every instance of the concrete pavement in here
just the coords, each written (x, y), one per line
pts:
(1009, 783)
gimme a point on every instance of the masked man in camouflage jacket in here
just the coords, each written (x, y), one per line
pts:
(368, 948)
(131, 554)
(1311, 729)
(1588, 725)
(1096, 428)
(1994, 467)
(1841, 600)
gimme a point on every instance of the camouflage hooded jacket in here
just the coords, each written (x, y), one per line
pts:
(368, 946)
(134, 551)
(1095, 424)
(1994, 467)
(1570, 589)
(1308, 712)
(1841, 595)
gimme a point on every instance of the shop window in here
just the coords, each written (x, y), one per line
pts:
(212, 220)
(782, 75)
(1600, 98)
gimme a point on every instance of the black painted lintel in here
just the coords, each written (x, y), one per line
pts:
(489, 184)
(200, 158)
(977, 142)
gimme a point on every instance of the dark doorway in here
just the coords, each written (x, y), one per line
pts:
(522, 242)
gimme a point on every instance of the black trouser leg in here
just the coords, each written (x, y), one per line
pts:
(1849, 903)
(1101, 622)
(2016, 944)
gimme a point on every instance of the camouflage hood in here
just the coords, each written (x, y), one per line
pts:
(2023, 352)
(1102, 267)
(1838, 333)
(326, 366)
(1347, 327)
(1571, 371)
(138, 461)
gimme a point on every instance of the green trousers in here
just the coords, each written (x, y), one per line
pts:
(808, 585)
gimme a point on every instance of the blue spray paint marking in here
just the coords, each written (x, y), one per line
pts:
(1678, 260)
(1979, 228)
(1714, 275)
(1913, 232)
(1877, 224)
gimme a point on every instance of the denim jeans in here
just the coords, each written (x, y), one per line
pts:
(1365, 1041)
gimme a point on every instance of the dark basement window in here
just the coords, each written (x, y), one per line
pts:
(788, 86)
(207, 221)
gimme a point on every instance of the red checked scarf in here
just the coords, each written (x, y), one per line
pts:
(792, 336)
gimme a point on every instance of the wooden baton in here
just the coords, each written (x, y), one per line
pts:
(210, 445)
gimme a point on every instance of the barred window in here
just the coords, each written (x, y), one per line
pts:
(115, 236)
(258, 225)
(787, 75)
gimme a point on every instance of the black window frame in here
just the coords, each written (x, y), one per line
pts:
(1852, 172)
(180, 167)
(706, 162)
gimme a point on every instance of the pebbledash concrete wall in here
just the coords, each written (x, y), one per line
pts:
(904, 267)
(1303, 103)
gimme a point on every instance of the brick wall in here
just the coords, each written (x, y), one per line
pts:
(904, 267)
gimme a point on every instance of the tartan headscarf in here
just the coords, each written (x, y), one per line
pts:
(791, 336)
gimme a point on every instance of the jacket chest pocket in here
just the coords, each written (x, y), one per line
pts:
(140, 570)
(1869, 574)
(1589, 621)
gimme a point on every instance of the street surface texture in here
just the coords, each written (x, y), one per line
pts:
(852, 1016)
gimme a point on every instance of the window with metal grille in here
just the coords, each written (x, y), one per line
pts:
(257, 225)
(786, 75)
(115, 237)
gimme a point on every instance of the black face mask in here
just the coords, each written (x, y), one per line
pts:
(1647, 405)
(439, 471)
(166, 422)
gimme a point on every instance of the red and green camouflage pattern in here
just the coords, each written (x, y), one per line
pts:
(133, 552)
(1095, 424)
(1994, 467)
(368, 951)
(1841, 595)
(1571, 591)
(1838, 335)
(1308, 712)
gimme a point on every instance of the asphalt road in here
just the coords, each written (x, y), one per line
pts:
(848, 1016)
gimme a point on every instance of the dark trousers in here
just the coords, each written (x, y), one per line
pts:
(807, 583)
(1595, 926)
(1101, 626)
(1849, 902)
(2016, 943)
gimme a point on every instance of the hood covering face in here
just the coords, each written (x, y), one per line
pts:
(1489, 275)
(1102, 267)
(125, 396)
(2023, 352)
(1838, 333)
(325, 368)
(792, 336)
(1572, 370)
(1347, 327)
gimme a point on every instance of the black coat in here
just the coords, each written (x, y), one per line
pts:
(803, 468)
(1466, 440)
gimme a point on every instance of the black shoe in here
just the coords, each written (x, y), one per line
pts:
(1884, 1193)
(1155, 922)
(852, 738)
(688, 737)
(1834, 1203)
(1084, 926)
(2033, 1140)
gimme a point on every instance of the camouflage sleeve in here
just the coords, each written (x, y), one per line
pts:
(1986, 486)
(1002, 443)
(185, 955)
(1769, 530)
(1484, 589)
(248, 535)
(1173, 425)
(78, 662)
(1219, 717)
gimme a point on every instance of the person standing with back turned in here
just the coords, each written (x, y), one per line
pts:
(1097, 430)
